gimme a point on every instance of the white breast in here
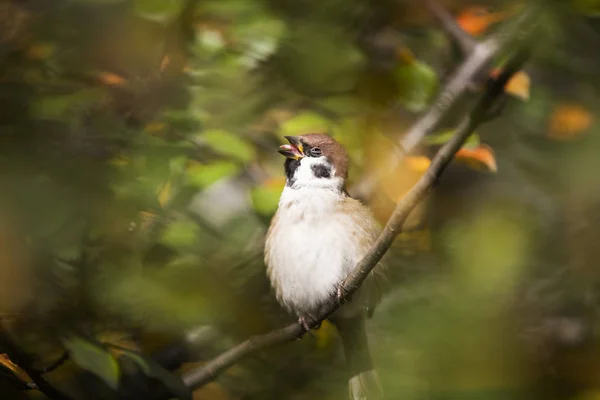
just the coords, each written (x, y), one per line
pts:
(312, 246)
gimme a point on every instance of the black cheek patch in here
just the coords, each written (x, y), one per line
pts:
(290, 167)
(321, 171)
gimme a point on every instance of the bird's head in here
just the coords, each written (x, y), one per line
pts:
(315, 160)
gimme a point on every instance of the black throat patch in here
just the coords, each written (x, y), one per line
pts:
(290, 166)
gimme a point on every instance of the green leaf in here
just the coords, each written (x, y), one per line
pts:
(151, 368)
(180, 234)
(93, 358)
(55, 107)
(265, 199)
(441, 138)
(417, 83)
(228, 144)
(304, 123)
(162, 10)
(203, 175)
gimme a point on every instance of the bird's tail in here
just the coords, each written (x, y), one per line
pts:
(364, 383)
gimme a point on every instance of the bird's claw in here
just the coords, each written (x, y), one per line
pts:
(341, 295)
(307, 321)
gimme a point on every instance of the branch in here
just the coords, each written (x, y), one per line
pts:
(480, 113)
(458, 83)
(24, 361)
(465, 42)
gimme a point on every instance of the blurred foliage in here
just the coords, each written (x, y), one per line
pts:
(139, 173)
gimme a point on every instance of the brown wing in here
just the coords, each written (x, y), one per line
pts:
(372, 288)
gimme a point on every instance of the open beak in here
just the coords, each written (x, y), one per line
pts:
(292, 150)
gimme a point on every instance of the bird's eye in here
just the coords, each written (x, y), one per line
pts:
(315, 152)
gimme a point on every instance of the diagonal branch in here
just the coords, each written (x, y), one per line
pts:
(459, 82)
(463, 40)
(480, 113)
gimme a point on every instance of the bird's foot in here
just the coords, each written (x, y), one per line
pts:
(342, 295)
(307, 321)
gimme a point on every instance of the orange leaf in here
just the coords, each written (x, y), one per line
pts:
(477, 19)
(7, 362)
(518, 85)
(110, 79)
(480, 158)
(568, 121)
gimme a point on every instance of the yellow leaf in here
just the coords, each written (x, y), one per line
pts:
(40, 51)
(165, 194)
(119, 161)
(146, 218)
(155, 126)
(417, 164)
(395, 185)
(569, 121)
(480, 158)
(325, 335)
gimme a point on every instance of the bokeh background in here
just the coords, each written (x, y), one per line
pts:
(139, 172)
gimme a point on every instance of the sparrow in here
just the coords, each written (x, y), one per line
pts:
(316, 237)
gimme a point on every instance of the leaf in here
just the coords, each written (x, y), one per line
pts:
(93, 358)
(326, 335)
(265, 198)
(41, 51)
(568, 121)
(409, 171)
(518, 86)
(203, 175)
(55, 107)
(111, 79)
(480, 158)
(417, 84)
(306, 122)
(180, 234)
(155, 127)
(228, 144)
(151, 368)
(441, 138)
(161, 10)
(477, 19)
(14, 368)
(164, 195)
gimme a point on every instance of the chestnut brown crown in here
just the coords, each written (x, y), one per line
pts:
(330, 148)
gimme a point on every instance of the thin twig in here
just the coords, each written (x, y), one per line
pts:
(459, 82)
(465, 42)
(479, 114)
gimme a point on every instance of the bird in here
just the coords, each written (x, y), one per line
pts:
(316, 237)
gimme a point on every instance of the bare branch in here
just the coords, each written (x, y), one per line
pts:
(463, 40)
(478, 115)
(458, 83)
